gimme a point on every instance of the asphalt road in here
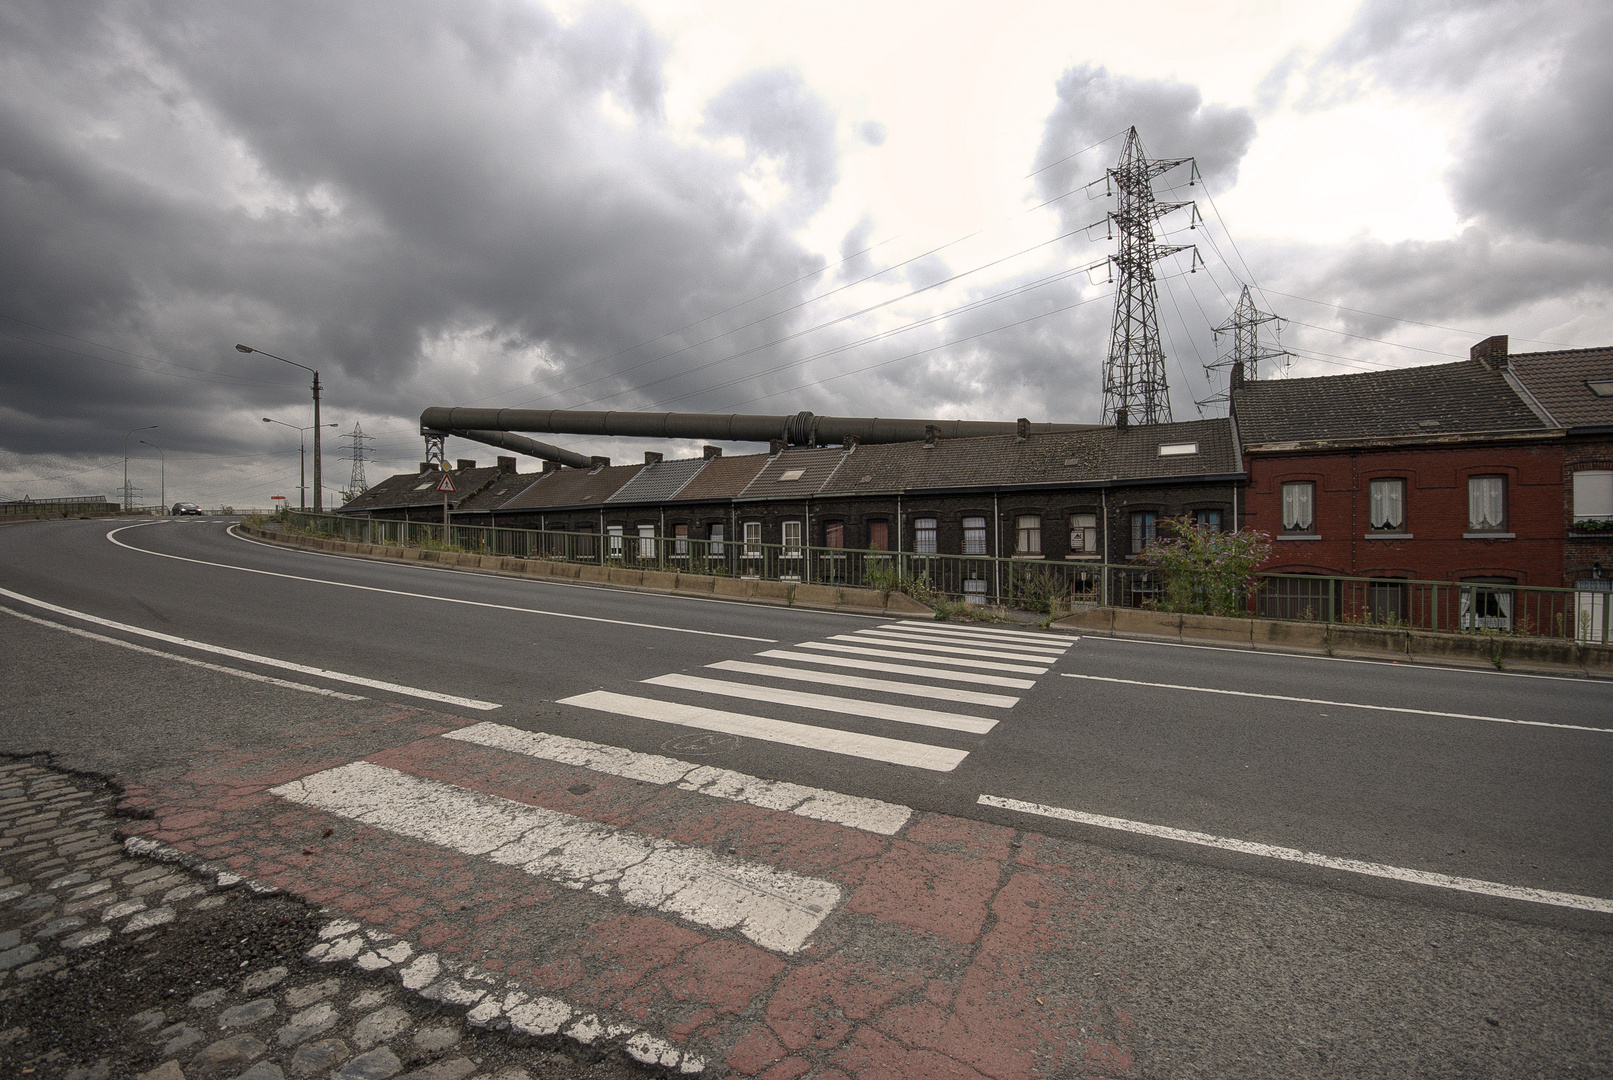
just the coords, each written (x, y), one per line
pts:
(1490, 776)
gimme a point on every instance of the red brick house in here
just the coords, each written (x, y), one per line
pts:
(1447, 473)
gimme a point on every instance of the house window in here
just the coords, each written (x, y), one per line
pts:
(646, 541)
(716, 540)
(1486, 604)
(1386, 601)
(1299, 507)
(924, 536)
(792, 539)
(1029, 533)
(1486, 504)
(1593, 495)
(1209, 520)
(1386, 505)
(753, 539)
(974, 536)
(834, 534)
(615, 548)
(1083, 534)
(974, 591)
(879, 536)
(1144, 527)
(680, 541)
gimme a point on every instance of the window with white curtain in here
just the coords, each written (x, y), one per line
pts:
(1386, 505)
(974, 536)
(1030, 535)
(1486, 503)
(716, 540)
(753, 539)
(924, 536)
(792, 539)
(1299, 507)
(1083, 534)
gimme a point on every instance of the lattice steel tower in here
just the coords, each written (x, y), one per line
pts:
(359, 444)
(1245, 351)
(1134, 373)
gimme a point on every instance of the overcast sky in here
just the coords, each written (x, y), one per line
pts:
(854, 208)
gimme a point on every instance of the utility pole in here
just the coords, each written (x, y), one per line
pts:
(1134, 373)
(1245, 352)
(319, 492)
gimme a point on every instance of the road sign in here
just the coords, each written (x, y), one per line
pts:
(446, 484)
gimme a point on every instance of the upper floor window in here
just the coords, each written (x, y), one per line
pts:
(1144, 527)
(1386, 505)
(834, 534)
(1486, 503)
(1208, 519)
(1593, 495)
(1083, 534)
(1299, 507)
(924, 536)
(1030, 535)
(974, 536)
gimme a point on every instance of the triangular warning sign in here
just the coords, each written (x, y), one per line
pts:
(446, 484)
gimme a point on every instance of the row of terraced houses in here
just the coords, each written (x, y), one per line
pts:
(1495, 470)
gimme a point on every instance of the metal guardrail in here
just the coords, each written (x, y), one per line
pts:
(1048, 586)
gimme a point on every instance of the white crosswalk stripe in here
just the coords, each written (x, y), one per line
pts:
(847, 721)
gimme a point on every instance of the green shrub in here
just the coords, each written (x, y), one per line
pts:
(1204, 571)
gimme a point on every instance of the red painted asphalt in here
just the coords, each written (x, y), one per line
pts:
(960, 950)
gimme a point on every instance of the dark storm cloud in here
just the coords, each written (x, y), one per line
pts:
(430, 203)
(1172, 121)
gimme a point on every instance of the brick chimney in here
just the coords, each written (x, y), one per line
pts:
(1122, 419)
(425, 467)
(1023, 429)
(709, 452)
(1237, 373)
(775, 447)
(932, 435)
(848, 443)
(551, 466)
(1491, 352)
(651, 457)
(506, 464)
(465, 464)
(599, 462)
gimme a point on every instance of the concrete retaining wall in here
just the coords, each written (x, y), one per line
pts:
(1345, 639)
(791, 594)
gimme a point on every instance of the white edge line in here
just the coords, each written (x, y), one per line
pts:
(1342, 704)
(1408, 663)
(1309, 858)
(112, 536)
(237, 672)
(254, 658)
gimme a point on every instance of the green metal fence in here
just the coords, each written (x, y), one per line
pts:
(1048, 586)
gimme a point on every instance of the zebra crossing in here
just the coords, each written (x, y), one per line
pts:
(942, 663)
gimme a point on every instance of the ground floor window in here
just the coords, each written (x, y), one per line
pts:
(792, 539)
(716, 540)
(974, 536)
(753, 539)
(1486, 604)
(646, 541)
(834, 534)
(1144, 528)
(924, 536)
(974, 591)
(1083, 534)
(1208, 519)
(615, 540)
(879, 537)
(1029, 535)
(1386, 602)
(680, 541)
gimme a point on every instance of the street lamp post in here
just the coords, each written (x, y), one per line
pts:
(162, 464)
(302, 452)
(148, 427)
(319, 498)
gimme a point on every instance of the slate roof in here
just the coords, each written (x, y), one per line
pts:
(408, 490)
(723, 478)
(501, 490)
(1558, 381)
(1431, 402)
(658, 481)
(1003, 461)
(807, 470)
(573, 487)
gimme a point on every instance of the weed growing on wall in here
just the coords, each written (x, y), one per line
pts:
(1203, 571)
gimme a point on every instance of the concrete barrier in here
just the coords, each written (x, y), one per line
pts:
(902, 604)
(1288, 636)
(1350, 640)
(695, 584)
(660, 580)
(1218, 628)
(1138, 622)
(823, 596)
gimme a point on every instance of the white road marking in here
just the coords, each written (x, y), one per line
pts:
(948, 648)
(1406, 664)
(774, 908)
(237, 672)
(1269, 851)
(979, 665)
(900, 669)
(941, 633)
(112, 536)
(889, 686)
(835, 741)
(266, 661)
(877, 710)
(869, 815)
(981, 631)
(1345, 704)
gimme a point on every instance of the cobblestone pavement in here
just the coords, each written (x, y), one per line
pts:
(127, 959)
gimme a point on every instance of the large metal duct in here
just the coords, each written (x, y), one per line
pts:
(517, 443)
(801, 429)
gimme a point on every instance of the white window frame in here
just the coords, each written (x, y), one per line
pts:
(753, 539)
(614, 539)
(924, 534)
(1028, 537)
(1593, 494)
(646, 541)
(1299, 507)
(1083, 534)
(974, 544)
(792, 539)
(1386, 504)
(680, 542)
